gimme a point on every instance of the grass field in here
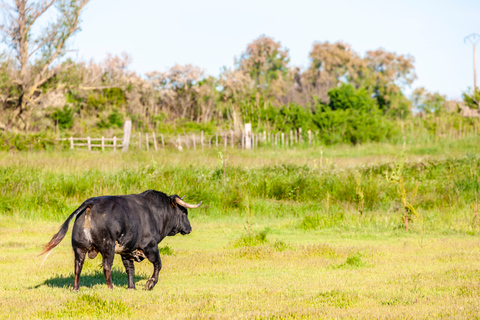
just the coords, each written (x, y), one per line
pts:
(295, 234)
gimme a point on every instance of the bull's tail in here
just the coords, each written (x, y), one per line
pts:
(58, 237)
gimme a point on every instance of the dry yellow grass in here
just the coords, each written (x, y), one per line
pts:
(310, 275)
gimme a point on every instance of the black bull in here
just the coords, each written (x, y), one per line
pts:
(130, 225)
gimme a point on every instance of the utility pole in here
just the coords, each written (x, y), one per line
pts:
(473, 39)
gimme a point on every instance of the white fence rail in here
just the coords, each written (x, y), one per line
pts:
(90, 142)
(245, 140)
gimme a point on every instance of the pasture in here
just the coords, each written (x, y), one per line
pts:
(373, 231)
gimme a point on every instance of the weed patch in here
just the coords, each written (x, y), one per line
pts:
(166, 251)
(90, 306)
(251, 239)
(353, 261)
(337, 298)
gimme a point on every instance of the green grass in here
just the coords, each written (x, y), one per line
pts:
(299, 234)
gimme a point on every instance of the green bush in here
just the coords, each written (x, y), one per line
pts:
(116, 119)
(63, 117)
(26, 142)
(351, 116)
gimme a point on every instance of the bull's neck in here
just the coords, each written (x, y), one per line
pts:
(167, 223)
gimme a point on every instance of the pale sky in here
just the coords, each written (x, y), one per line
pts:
(210, 33)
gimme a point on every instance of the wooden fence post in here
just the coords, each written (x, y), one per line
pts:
(103, 143)
(71, 143)
(248, 136)
(127, 128)
(154, 141)
(310, 137)
(114, 143)
(89, 143)
(300, 138)
(163, 142)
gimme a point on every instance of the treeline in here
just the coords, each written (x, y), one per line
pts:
(344, 96)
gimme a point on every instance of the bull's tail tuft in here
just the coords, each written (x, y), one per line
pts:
(58, 237)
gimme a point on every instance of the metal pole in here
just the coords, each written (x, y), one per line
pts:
(474, 69)
(473, 39)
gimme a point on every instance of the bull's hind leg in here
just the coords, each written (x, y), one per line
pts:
(108, 257)
(79, 260)
(154, 257)
(130, 269)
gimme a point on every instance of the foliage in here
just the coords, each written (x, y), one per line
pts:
(266, 62)
(26, 142)
(37, 55)
(427, 102)
(64, 118)
(342, 97)
(472, 99)
(351, 116)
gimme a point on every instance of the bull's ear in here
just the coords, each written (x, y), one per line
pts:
(173, 203)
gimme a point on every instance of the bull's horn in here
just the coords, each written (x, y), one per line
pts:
(187, 205)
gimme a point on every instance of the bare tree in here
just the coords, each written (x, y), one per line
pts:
(37, 55)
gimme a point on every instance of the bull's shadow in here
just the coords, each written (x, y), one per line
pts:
(92, 278)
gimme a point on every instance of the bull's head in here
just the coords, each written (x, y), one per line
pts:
(183, 224)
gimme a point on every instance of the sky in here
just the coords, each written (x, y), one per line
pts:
(211, 33)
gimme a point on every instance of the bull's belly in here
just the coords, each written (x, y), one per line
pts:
(135, 255)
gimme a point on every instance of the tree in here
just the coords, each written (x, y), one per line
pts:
(37, 55)
(267, 64)
(237, 90)
(388, 74)
(330, 64)
(428, 102)
(178, 89)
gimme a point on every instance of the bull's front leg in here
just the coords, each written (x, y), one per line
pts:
(130, 269)
(154, 257)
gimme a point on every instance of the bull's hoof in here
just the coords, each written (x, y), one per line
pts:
(75, 289)
(150, 284)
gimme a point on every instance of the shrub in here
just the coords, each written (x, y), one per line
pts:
(251, 239)
(63, 117)
(351, 116)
